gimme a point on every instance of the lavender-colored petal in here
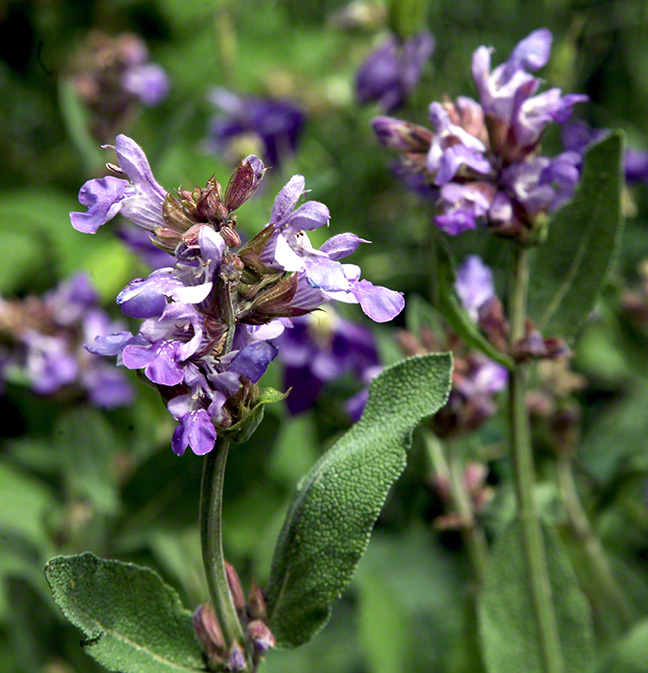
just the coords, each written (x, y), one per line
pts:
(287, 199)
(111, 344)
(104, 198)
(147, 297)
(308, 216)
(107, 387)
(196, 431)
(148, 81)
(253, 360)
(533, 52)
(145, 197)
(474, 284)
(342, 245)
(379, 303)
(355, 405)
(325, 274)
(158, 361)
(456, 221)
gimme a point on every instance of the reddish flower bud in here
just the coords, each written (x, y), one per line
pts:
(244, 181)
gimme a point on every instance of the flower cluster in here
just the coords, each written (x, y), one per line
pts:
(42, 341)
(274, 125)
(391, 72)
(209, 319)
(113, 75)
(319, 348)
(481, 162)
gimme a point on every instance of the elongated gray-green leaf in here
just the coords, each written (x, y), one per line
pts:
(507, 626)
(452, 310)
(329, 522)
(584, 236)
(132, 621)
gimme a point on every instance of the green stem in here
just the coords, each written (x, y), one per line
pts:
(584, 533)
(449, 467)
(473, 534)
(211, 498)
(532, 536)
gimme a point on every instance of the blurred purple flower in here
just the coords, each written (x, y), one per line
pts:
(390, 73)
(481, 163)
(319, 348)
(579, 136)
(278, 123)
(474, 284)
(48, 335)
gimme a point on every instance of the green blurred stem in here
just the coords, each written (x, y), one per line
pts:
(520, 435)
(448, 466)
(211, 525)
(473, 534)
(585, 534)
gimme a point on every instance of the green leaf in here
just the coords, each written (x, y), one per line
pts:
(329, 522)
(133, 622)
(630, 654)
(88, 445)
(451, 309)
(584, 236)
(384, 628)
(507, 625)
(26, 506)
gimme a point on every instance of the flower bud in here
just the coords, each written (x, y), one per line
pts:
(244, 181)
(256, 602)
(401, 136)
(235, 587)
(236, 659)
(261, 636)
(175, 215)
(230, 236)
(209, 635)
(251, 252)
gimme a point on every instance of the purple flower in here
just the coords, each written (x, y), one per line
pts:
(474, 285)
(208, 320)
(482, 162)
(579, 136)
(321, 277)
(48, 335)
(636, 165)
(278, 123)
(319, 348)
(390, 73)
(139, 199)
(147, 81)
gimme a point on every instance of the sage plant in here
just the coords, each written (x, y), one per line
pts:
(482, 167)
(212, 323)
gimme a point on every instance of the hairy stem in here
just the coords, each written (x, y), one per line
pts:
(592, 545)
(520, 435)
(211, 498)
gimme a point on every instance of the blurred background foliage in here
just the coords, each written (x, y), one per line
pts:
(74, 478)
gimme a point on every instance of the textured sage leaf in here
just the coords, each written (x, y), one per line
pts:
(132, 621)
(329, 521)
(452, 310)
(584, 236)
(508, 632)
